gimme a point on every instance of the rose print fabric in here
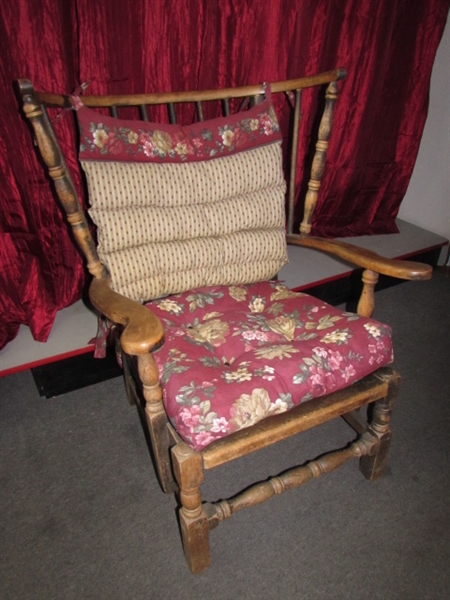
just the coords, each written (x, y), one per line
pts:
(234, 355)
(108, 138)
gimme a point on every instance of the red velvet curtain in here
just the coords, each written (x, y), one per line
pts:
(387, 46)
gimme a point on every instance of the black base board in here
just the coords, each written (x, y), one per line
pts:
(61, 377)
(80, 371)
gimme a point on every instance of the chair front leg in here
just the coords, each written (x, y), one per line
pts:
(188, 470)
(373, 465)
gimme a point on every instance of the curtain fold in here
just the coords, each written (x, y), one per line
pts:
(387, 46)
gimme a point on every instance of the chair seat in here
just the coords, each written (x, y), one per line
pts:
(256, 350)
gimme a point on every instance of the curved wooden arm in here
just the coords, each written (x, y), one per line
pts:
(142, 328)
(402, 269)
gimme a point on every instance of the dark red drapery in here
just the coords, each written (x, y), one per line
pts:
(387, 46)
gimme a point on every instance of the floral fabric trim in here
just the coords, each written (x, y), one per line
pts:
(108, 138)
(235, 355)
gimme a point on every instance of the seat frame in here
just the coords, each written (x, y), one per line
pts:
(181, 469)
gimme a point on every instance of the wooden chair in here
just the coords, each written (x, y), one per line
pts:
(166, 191)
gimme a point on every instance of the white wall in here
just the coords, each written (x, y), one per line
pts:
(427, 200)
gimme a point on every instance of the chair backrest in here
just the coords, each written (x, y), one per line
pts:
(185, 204)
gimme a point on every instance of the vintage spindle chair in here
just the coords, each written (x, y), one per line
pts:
(223, 360)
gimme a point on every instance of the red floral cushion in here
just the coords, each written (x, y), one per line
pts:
(108, 138)
(235, 355)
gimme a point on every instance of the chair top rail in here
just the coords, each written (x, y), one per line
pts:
(63, 100)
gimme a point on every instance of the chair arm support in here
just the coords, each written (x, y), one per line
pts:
(142, 328)
(402, 269)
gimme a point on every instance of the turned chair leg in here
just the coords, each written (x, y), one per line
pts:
(374, 464)
(188, 470)
(156, 421)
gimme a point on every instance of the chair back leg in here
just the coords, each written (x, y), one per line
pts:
(373, 465)
(156, 418)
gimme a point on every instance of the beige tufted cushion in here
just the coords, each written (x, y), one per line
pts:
(167, 228)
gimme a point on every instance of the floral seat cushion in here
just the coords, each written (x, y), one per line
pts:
(234, 355)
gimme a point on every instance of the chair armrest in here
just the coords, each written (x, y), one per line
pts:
(142, 328)
(402, 269)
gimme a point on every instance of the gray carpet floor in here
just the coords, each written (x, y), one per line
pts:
(82, 516)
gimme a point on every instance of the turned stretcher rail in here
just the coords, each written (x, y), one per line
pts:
(290, 479)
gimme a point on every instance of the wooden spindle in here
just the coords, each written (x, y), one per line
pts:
(254, 100)
(225, 107)
(59, 173)
(171, 111)
(199, 107)
(318, 164)
(366, 302)
(293, 164)
(143, 112)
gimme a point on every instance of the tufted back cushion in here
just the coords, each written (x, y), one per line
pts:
(167, 224)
